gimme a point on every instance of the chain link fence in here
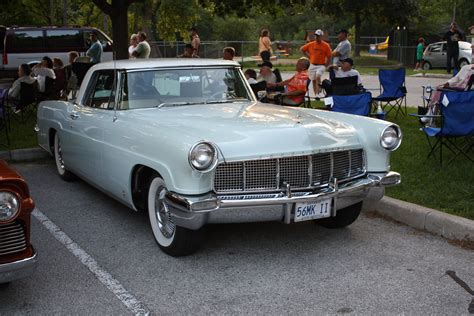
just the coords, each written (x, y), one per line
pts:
(248, 50)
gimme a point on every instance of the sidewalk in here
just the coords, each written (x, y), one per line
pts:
(413, 83)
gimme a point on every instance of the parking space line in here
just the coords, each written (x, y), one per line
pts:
(130, 301)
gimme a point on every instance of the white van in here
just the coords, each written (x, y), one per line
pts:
(28, 45)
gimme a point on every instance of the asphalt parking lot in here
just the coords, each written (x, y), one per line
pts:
(98, 257)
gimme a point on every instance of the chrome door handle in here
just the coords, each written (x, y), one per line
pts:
(74, 116)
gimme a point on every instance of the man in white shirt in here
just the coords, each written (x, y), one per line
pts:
(143, 48)
(42, 71)
(343, 49)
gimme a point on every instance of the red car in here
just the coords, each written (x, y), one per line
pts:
(17, 255)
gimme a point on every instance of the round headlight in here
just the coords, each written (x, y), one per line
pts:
(203, 156)
(9, 206)
(391, 137)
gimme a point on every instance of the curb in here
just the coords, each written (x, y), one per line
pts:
(24, 154)
(433, 221)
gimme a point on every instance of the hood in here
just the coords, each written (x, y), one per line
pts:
(253, 130)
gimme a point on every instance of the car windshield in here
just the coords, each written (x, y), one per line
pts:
(178, 87)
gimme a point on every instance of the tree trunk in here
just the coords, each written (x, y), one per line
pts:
(357, 24)
(120, 34)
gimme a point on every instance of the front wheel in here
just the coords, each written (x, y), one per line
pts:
(58, 158)
(174, 240)
(426, 65)
(343, 218)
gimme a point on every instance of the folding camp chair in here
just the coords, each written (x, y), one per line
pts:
(26, 104)
(358, 104)
(345, 86)
(4, 117)
(392, 90)
(457, 125)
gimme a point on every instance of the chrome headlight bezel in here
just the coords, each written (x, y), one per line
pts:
(11, 201)
(391, 131)
(212, 161)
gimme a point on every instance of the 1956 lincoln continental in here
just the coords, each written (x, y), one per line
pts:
(187, 141)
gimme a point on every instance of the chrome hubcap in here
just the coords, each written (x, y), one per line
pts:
(60, 156)
(165, 223)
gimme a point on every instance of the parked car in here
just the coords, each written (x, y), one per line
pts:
(20, 45)
(434, 55)
(17, 255)
(186, 141)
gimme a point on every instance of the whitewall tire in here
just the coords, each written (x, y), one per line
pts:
(58, 158)
(173, 240)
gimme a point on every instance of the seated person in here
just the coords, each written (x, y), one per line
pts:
(296, 86)
(42, 71)
(24, 72)
(251, 76)
(344, 71)
(188, 52)
(458, 82)
(60, 82)
(266, 73)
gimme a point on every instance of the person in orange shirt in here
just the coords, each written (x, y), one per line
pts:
(319, 54)
(296, 85)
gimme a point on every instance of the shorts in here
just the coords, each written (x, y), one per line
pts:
(316, 70)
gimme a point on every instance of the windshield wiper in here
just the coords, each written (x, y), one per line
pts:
(226, 101)
(174, 104)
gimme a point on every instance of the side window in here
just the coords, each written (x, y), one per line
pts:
(63, 38)
(102, 90)
(436, 48)
(27, 39)
(444, 48)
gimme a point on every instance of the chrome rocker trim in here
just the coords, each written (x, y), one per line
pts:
(193, 212)
(18, 269)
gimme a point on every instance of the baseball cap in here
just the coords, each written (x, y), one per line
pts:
(318, 32)
(266, 63)
(347, 60)
(342, 31)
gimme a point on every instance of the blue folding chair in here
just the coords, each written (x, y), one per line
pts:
(358, 104)
(457, 125)
(392, 90)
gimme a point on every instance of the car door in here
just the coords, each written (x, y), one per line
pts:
(86, 120)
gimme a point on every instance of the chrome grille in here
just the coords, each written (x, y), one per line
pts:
(12, 238)
(301, 172)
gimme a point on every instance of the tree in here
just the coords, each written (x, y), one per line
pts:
(389, 11)
(118, 12)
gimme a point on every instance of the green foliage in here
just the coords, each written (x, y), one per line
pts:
(176, 17)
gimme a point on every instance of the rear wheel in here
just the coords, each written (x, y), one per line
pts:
(426, 65)
(344, 217)
(172, 239)
(58, 157)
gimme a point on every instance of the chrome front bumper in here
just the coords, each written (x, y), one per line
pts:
(18, 269)
(193, 212)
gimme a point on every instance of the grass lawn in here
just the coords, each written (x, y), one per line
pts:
(449, 188)
(22, 134)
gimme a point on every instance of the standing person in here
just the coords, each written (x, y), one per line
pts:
(419, 54)
(95, 51)
(452, 37)
(265, 45)
(228, 53)
(133, 45)
(60, 82)
(143, 48)
(195, 41)
(319, 54)
(71, 79)
(343, 49)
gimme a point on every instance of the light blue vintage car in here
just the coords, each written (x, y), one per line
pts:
(187, 141)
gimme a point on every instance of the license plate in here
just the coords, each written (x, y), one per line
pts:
(312, 210)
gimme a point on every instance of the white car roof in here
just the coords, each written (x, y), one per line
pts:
(163, 62)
